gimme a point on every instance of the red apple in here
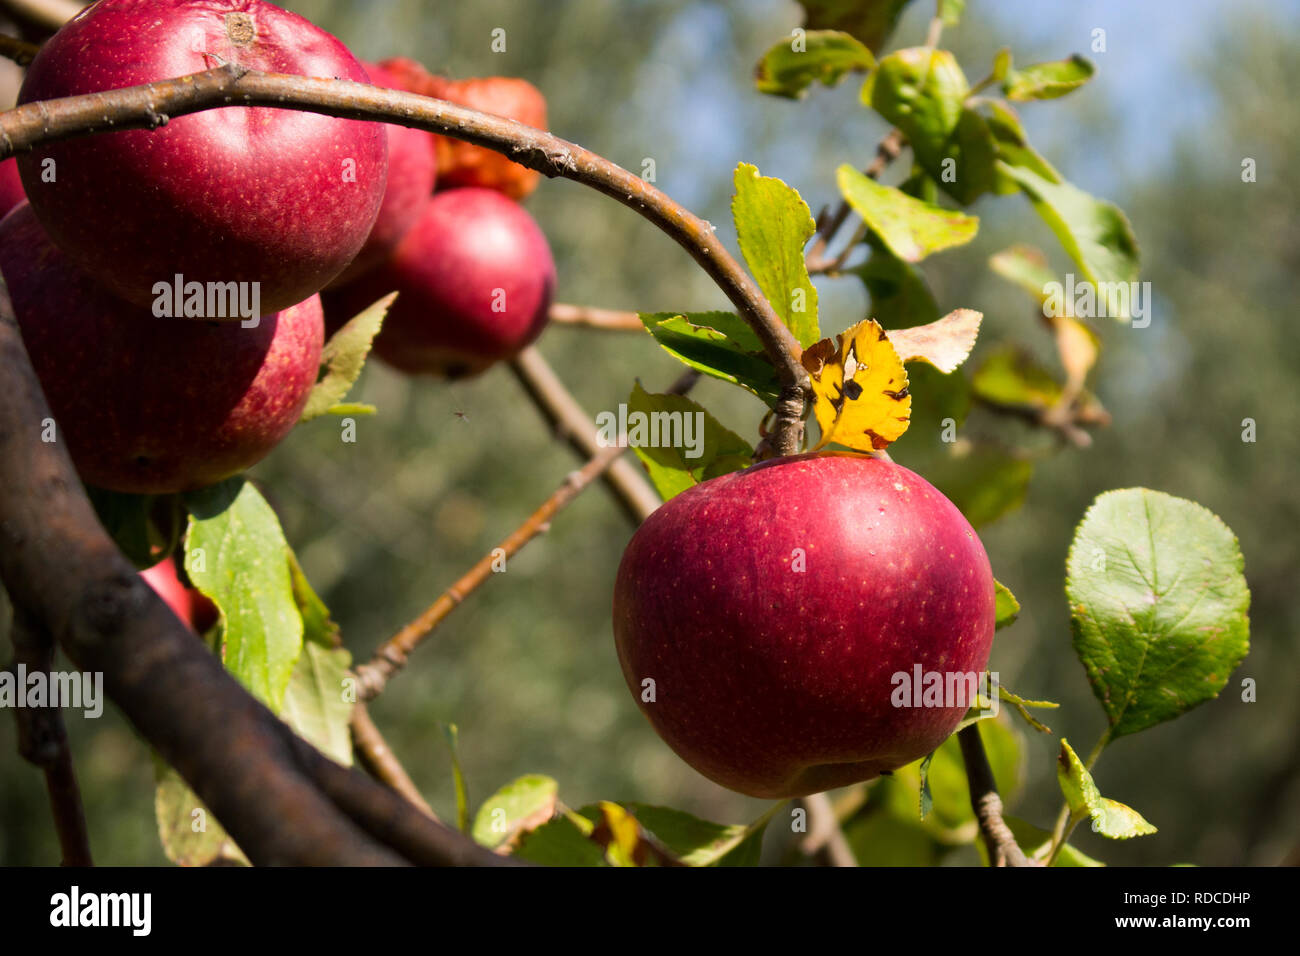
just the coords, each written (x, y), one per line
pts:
(412, 172)
(283, 198)
(779, 682)
(474, 279)
(11, 187)
(464, 164)
(189, 604)
(153, 405)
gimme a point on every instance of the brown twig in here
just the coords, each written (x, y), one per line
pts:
(984, 800)
(825, 835)
(607, 320)
(830, 223)
(254, 773)
(152, 105)
(392, 655)
(50, 14)
(377, 757)
(576, 428)
(20, 51)
(43, 742)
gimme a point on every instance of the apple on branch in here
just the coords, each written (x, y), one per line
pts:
(762, 617)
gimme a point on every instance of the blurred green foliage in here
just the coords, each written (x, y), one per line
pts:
(527, 669)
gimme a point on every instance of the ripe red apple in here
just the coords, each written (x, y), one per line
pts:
(474, 279)
(189, 604)
(412, 172)
(464, 164)
(152, 405)
(279, 197)
(779, 682)
(11, 187)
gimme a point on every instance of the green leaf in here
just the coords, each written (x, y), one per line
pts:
(1095, 234)
(235, 553)
(1001, 64)
(967, 169)
(523, 804)
(773, 224)
(697, 842)
(351, 408)
(144, 527)
(1012, 376)
(927, 798)
(451, 733)
(1047, 81)
(884, 839)
(675, 465)
(1158, 602)
(1110, 818)
(1026, 267)
(1008, 608)
(343, 357)
(317, 626)
(720, 345)
(985, 481)
(561, 842)
(1022, 708)
(315, 705)
(1012, 145)
(900, 296)
(909, 228)
(950, 11)
(871, 21)
(190, 834)
(792, 65)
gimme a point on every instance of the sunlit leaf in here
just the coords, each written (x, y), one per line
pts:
(824, 56)
(343, 358)
(910, 228)
(945, 344)
(1047, 81)
(1109, 817)
(860, 391)
(720, 345)
(679, 442)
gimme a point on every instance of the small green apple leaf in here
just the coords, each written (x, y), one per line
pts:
(1013, 149)
(1110, 818)
(316, 703)
(1026, 267)
(697, 842)
(1036, 843)
(144, 527)
(985, 481)
(967, 168)
(1008, 608)
(190, 834)
(718, 344)
(1001, 64)
(679, 443)
(871, 21)
(900, 296)
(317, 625)
(1022, 706)
(1158, 603)
(794, 64)
(922, 91)
(1011, 376)
(521, 805)
(944, 343)
(1095, 234)
(235, 553)
(343, 357)
(927, 798)
(451, 734)
(1047, 81)
(950, 11)
(564, 841)
(351, 408)
(773, 224)
(910, 228)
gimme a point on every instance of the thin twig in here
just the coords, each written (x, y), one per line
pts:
(576, 428)
(607, 320)
(825, 836)
(151, 105)
(379, 760)
(43, 742)
(830, 223)
(984, 800)
(20, 51)
(392, 655)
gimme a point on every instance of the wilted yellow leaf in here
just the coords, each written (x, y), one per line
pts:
(859, 387)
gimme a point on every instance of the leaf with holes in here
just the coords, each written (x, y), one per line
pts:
(859, 387)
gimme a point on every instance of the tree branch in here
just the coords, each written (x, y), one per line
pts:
(607, 320)
(829, 224)
(392, 655)
(43, 742)
(60, 567)
(984, 800)
(377, 757)
(152, 105)
(51, 14)
(572, 424)
(20, 51)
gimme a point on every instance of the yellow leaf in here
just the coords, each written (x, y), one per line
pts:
(944, 343)
(859, 387)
